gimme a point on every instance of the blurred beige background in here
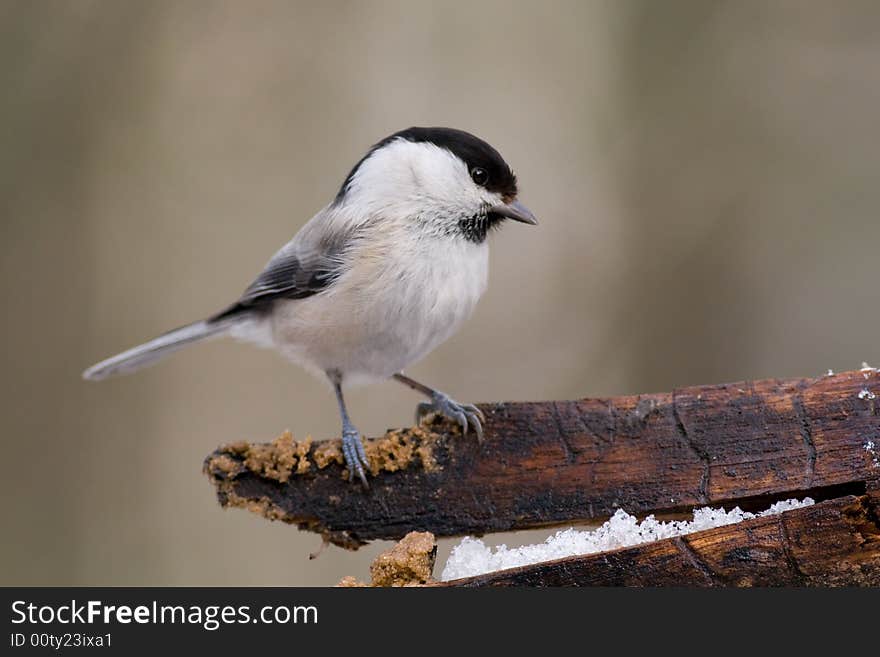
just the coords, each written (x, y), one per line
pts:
(706, 175)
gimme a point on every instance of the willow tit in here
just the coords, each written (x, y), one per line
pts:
(378, 278)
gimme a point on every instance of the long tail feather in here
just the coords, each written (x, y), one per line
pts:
(156, 349)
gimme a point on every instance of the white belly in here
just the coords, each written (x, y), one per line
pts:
(387, 312)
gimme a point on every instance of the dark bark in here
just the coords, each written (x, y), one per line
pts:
(548, 463)
(833, 543)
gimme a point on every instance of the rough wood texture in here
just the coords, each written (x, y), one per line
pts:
(833, 543)
(546, 463)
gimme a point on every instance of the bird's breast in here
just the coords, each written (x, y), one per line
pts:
(396, 303)
(432, 289)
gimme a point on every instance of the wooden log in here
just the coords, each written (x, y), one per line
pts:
(832, 543)
(547, 463)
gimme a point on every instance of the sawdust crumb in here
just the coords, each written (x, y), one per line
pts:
(225, 464)
(275, 460)
(426, 454)
(238, 448)
(400, 448)
(392, 452)
(266, 508)
(262, 506)
(301, 450)
(397, 450)
(409, 562)
(328, 452)
(350, 582)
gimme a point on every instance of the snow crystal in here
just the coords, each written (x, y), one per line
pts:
(473, 557)
(869, 447)
(866, 394)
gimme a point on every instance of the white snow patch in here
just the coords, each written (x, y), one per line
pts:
(473, 557)
(869, 447)
(866, 394)
(867, 370)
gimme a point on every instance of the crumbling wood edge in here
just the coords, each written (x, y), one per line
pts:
(832, 543)
(548, 463)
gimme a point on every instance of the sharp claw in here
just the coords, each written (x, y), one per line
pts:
(467, 416)
(475, 410)
(355, 456)
(462, 419)
(478, 427)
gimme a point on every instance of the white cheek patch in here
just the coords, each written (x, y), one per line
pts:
(408, 179)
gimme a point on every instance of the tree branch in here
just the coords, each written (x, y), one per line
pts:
(547, 463)
(833, 543)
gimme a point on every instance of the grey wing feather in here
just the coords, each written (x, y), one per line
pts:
(309, 264)
(292, 277)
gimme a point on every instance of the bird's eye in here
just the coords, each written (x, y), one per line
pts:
(479, 175)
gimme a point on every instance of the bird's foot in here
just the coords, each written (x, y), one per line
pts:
(465, 415)
(355, 456)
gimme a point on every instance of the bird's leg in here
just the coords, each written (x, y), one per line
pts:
(352, 445)
(464, 414)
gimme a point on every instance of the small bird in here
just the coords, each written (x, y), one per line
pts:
(378, 278)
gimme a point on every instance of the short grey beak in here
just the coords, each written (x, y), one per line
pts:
(516, 211)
